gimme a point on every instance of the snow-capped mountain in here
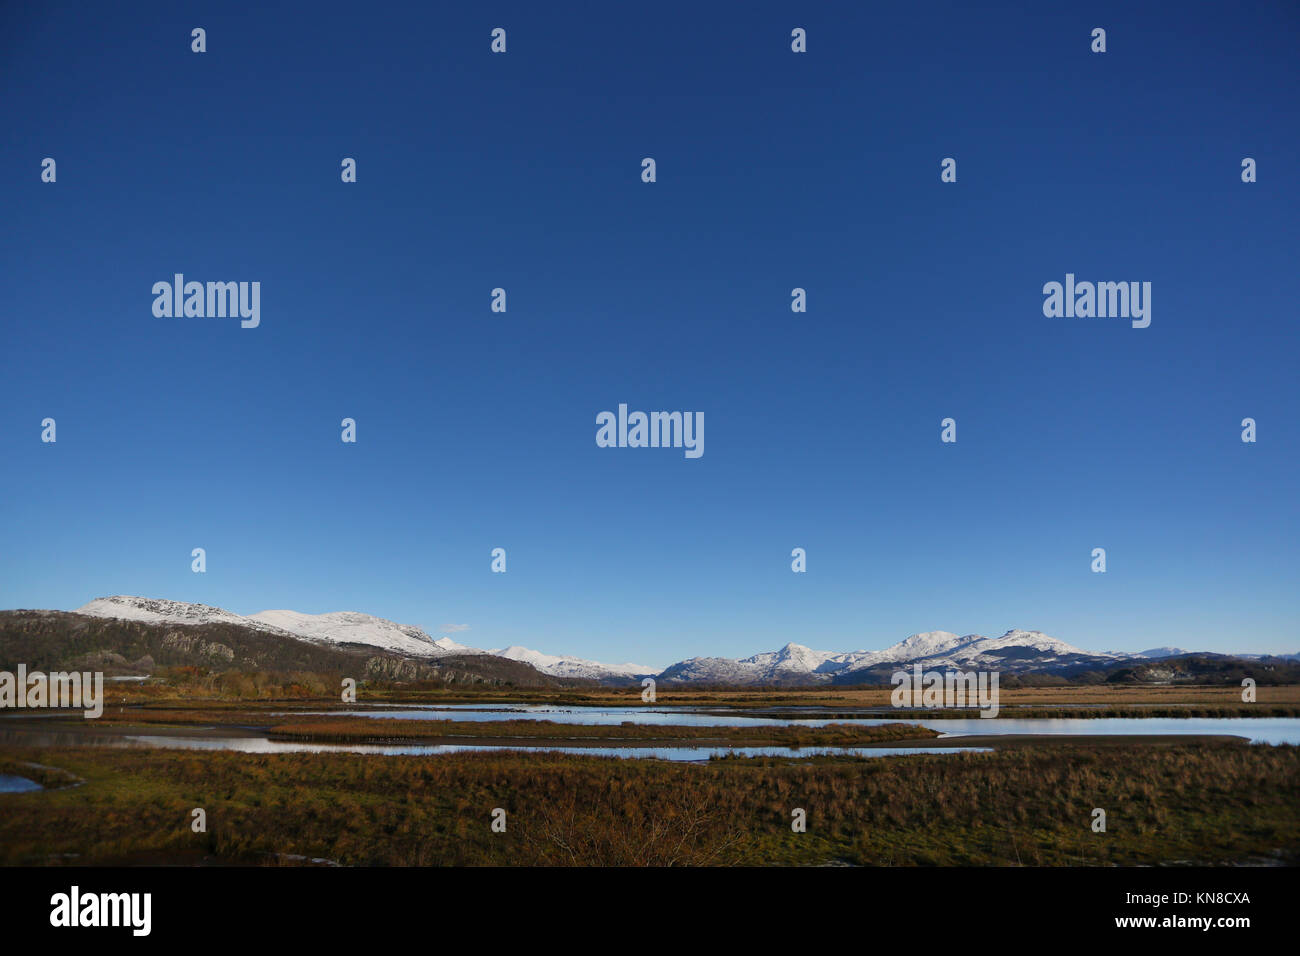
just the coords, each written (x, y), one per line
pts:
(159, 611)
(339, 627)
(1016, 650)
(562, 666)
(1158, 652)
(351, 627)
(793, 662)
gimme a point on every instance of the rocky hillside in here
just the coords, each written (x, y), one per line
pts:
(65, 640)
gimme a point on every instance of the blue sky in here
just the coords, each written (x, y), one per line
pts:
(775, 170)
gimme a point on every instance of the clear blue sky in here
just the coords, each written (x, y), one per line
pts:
(775, 170)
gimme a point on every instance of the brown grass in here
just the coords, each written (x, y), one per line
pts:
(382, 729)
(1208, 804)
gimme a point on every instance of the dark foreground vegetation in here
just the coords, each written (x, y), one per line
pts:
(1202, 803)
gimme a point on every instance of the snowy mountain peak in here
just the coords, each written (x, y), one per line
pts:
(451, 647)
(1017, 650)
(1035, 639)
(159, 610)
(338, 627)
(926, 644)
(563, 666)
(347, 627)
(353, 627)
(790, 652)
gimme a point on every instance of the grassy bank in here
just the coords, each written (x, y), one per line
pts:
(1205, 804)
(381, 730)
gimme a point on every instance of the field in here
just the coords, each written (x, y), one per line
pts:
(1185, 804)
(1072, 695)
(1167, 800)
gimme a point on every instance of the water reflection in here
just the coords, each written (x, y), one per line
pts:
(261, 745)
(1266, 730)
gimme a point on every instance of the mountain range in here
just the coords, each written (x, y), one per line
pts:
(349, 628)
(1016, 651)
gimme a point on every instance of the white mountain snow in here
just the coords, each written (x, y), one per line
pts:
(1016, 650)
(1154, 652)
(158, 610)
(561, 666)
(348, 627)
(339, 627)
(351, 627)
